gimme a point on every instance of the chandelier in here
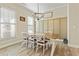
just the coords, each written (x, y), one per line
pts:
(38, 15)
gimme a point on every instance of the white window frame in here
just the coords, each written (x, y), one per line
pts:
(30, 25)
(9, 24)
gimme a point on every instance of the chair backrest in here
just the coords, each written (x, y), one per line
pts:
(25, 35)
(31, 36)
(44, 37)
(38, 37)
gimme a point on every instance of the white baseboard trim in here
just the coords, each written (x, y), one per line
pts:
(75, 46)
(9, 43)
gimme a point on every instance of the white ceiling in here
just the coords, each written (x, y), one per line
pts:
(42, 6)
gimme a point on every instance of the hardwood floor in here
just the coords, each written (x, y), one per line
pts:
(59, 51)
(62, 51)
(66, 51)
(17, 50)
(31, 52)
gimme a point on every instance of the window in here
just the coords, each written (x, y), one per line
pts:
(30, 25)
(7, 23)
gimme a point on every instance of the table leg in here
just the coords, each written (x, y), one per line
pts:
(53, 48)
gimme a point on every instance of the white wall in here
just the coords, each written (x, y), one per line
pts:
(60, 12)
(74, 25)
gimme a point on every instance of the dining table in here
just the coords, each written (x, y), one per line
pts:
(54, 43)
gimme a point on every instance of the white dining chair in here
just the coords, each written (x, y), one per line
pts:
(25, 38)
(41, 42)
(31, 41)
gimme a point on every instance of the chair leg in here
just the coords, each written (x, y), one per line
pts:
(33, 46)
(27, 44)
(43, 50)
(47, 46)
(36, 48)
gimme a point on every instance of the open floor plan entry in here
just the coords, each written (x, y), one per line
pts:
(39, 29)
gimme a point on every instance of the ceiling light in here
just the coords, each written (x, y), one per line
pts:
(38, 15)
